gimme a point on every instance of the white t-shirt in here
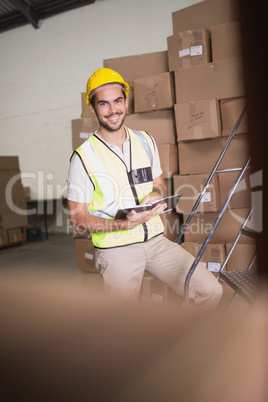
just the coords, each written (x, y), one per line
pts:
(80, 187)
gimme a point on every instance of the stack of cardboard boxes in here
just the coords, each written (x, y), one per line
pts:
(205, 56)
(13, 207)
(189, 99)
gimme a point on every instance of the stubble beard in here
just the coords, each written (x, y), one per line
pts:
(109, 128)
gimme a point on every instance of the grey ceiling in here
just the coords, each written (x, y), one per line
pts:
(15, 13)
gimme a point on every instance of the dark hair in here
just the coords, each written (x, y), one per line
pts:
(92, 100)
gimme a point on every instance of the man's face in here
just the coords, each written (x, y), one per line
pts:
(110, 108)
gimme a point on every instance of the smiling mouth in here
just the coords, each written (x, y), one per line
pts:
(114, 118)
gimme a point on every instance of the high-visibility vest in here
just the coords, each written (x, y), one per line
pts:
(115, 187)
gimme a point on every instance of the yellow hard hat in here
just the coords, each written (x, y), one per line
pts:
(101, 77)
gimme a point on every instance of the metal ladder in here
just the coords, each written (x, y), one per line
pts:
(243, 282)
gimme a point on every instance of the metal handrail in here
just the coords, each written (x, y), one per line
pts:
(214, 227)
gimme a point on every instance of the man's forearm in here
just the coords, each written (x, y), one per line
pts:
(95, 224)
(159, 186)
(84, 222)
(161, 190)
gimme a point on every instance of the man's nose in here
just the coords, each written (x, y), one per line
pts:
(112, 108)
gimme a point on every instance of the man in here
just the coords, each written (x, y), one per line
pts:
(117, 168)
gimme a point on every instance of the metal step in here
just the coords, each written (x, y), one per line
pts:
(243, 282)
(249, 233)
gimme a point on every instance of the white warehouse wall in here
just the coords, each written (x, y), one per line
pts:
(44, 71)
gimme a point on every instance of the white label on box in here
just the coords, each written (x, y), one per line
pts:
(214, 266)
(184, 52)
(146, 299)
(196, 50)
(84, 135)
(157, 298)
(89, 256)
(203, 263)
(206, 197)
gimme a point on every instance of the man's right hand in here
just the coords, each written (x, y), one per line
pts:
(134, 218)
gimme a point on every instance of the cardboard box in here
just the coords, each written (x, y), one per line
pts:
(3, 238)
(154, 92)
(205, 14)
(81, 130)
(171, 221)
(226, 41)
(231, 110)
(11, 220)
(11, 186)
(168, 154)
(14, 236)
(14, 179)
(85, 253)
(213, 256)
(12, 195)
(220, 80)
(85, 108)
(201, 156)
(241, 257)
(189, 48)
(17, 206)
(169, 186)
(4, 178)
(132, 67)
(9, 163)
(130, 108)
(226, 232)
(3, 205)
(242, 196)
(153, 290)
(159, 124)
(190, 186)
(198, 120)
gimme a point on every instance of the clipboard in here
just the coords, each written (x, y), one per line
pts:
(172, 201)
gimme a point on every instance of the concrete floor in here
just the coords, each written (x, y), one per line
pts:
(56, 253)
(51, 261)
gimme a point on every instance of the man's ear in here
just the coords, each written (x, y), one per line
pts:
(127, 102)
(92, 108)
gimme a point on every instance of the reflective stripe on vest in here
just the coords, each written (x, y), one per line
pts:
(115, 187)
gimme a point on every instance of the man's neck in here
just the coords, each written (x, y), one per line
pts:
(113, 137)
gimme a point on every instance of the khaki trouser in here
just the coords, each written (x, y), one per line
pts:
(123, 268)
